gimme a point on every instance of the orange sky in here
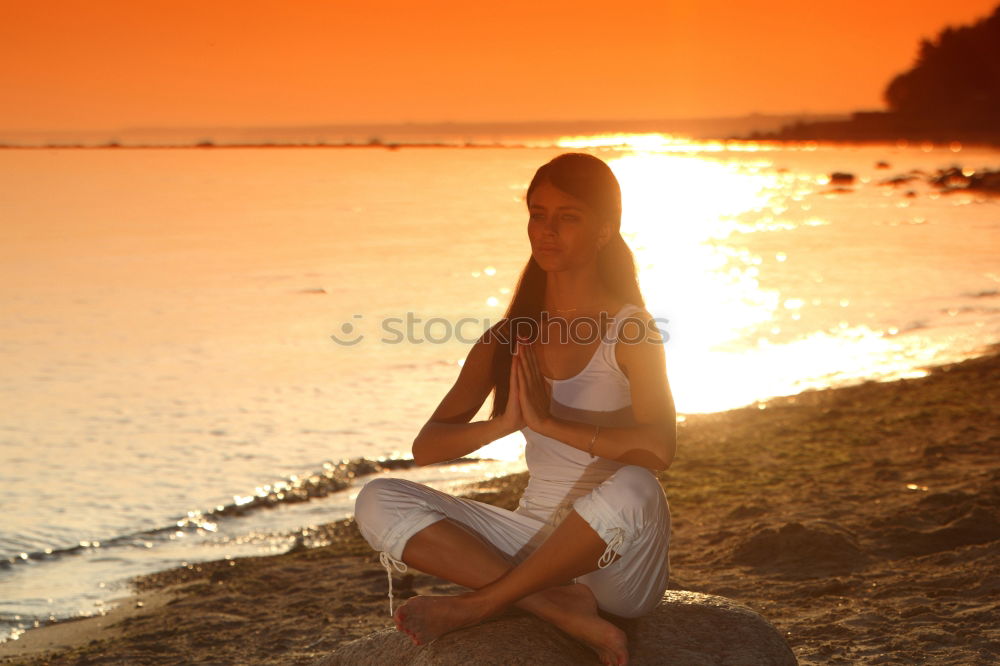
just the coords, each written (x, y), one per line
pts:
(107, 64)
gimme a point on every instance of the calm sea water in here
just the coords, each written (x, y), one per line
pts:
(167, 319)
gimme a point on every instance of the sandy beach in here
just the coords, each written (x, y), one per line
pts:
(863, 522)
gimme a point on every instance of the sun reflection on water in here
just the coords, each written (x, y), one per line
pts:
(679, 211)
(665, 143)
(689, 215)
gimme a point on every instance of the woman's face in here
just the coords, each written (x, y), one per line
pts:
(565, 233)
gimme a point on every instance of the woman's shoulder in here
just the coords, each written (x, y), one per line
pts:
(496, 336)
(492, 346)
(631, 318)
(632, 310)
(638, 340)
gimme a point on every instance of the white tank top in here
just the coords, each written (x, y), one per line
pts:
(597, 395)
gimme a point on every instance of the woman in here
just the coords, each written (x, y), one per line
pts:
(593, 527)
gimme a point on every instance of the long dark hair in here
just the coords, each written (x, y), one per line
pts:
(590, 180)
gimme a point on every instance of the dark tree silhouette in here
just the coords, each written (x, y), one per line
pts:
(955, 82)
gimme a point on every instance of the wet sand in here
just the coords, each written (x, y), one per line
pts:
(863, 522)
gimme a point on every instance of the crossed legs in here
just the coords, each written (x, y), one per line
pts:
(538, 584)
(476, 545)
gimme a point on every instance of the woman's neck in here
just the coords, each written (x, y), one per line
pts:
(570, 293)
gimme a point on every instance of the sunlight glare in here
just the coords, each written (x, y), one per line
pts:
(731, 342)
(678, 213)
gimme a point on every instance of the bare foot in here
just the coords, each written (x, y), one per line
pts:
(574, 610)
(425, 618)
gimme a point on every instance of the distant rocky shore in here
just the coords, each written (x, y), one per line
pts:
(952, 179)
(881, 127)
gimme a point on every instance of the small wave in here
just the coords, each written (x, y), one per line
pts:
(914, 325)
(988, 293)
(333, 477)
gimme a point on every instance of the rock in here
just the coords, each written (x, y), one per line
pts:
(985, 181)
(955, 178)
(950, 179)
(686, 628)
(841, 178)
(899, 180)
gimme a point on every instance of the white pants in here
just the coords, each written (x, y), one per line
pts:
(628, 511)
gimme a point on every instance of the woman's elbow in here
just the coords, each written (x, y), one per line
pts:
(660, 447)
(667, 450)
(421, 456)
(665, 462)
(656, 457)
(419, 450)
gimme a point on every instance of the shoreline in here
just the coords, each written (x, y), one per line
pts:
(863, 521)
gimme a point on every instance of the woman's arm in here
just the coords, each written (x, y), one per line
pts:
(647, 445)
(653, 441)
(448, 434)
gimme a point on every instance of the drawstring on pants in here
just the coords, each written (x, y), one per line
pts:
(388, 561)
(614, 546)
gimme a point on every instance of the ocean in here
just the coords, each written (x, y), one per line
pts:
(206, 352)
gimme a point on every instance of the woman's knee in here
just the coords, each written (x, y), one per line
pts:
(388, 511)
(635, 487)
(630, 502)
(376, 505)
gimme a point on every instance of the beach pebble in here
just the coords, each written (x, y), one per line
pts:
(686, 628)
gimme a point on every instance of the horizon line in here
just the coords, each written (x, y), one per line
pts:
(436, 123)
